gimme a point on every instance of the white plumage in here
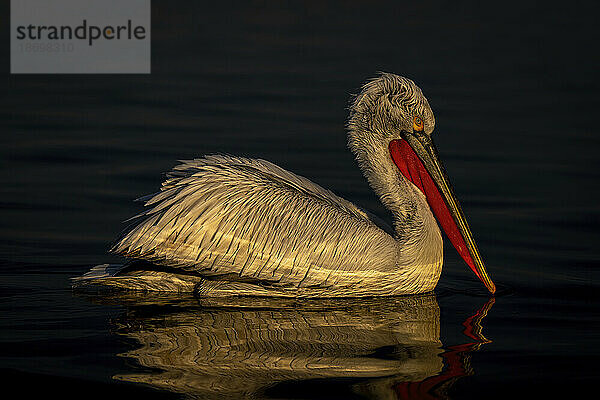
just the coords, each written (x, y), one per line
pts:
(227, 225)
(251, 221)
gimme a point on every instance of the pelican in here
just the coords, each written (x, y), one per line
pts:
(231, 226)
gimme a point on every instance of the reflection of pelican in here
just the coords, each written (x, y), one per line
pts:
(242, 347)
(231, 225)
(457, 360)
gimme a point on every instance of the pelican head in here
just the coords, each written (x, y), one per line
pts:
(389, 132)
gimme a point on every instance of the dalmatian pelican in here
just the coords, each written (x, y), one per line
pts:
(231, 226)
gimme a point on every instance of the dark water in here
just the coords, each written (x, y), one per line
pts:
(514, 87)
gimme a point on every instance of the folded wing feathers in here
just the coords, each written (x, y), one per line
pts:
(224, 214)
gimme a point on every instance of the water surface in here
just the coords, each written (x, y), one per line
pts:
(514, 89)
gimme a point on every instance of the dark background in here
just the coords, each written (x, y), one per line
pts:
(513, 85)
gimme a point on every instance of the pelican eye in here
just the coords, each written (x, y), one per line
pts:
(418, 123)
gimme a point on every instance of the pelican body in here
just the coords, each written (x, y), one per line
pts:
(226, 226)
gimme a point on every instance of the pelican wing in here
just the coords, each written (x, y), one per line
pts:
(254, 221)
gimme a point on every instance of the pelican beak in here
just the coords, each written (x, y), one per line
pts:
(417, 158)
